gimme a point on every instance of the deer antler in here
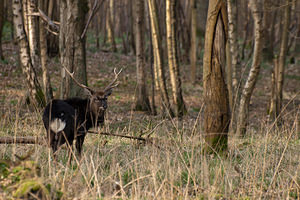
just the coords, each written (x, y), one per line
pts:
(113, 84)
(79, 84)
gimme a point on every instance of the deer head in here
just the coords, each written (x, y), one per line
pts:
(98, 99)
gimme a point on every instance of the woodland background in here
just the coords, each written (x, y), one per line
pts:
(211, 86)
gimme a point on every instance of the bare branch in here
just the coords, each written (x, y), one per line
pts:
(94, 10)
(114, 83)
(51, 23)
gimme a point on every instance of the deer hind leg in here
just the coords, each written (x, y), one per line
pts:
(79, 143)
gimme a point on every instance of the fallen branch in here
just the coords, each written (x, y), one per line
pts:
(22, 140)
(42, 141)
(118, 135)
(144, 140)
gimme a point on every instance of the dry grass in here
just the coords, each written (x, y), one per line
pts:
(263, 165)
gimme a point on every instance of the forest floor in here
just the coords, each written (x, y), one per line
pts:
(263, 164)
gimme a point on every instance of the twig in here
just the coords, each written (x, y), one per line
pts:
(145, 140)
(94, 10)
(118, 135)
(46, 19)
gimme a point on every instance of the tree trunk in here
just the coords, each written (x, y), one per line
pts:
(255, 67)
(267, 43)
(32, 33)
(142, 102)
(53, 40)
(1, 27)
(233, 44)
(282, 55)
(172, 59)
(157, 51)
(193, 50)
(35, 90)
(72, 47)
(47, 89)
(109, 25)
(217, 112)
(2, 20)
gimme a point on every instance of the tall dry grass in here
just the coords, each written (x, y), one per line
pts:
(265, 164)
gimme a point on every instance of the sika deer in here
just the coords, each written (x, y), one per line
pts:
(70, 119)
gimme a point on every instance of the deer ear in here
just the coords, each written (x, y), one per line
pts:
(107, 92)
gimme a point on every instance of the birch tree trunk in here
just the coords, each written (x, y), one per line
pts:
(109, 25)
(216, 112)
(255, 67)
(35, 90)
(172, 59)
(47, 89)
(157, 51)
(72, 47)
(142, 102)
(32, 32)
(193, 49)
(233, 45)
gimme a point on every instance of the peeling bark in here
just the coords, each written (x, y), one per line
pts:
(35, 90)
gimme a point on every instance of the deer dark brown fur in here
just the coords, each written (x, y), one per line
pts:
(70, 119)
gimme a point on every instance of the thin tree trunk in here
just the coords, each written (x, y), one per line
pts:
(282, 55)
(172, 59)
(43, 51)
(157, 51)
(193, 50)
(272, 107)
(32, 32)
(255, 67)
(267, 47)
(142, 102)
(109, 25)
(72, 47)
(1, 27)
(217, 112)
(233, 44)
(35, 90)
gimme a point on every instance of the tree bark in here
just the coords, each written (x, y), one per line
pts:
(72, 47)
(157, 51)
(267, 42)
(32, 32)
(1, 27)
(172, 59)
(233, 45)
(142, 101)
(193, 50)
(47, 89)
(282, 56)
(255, 68)
(35, 90)
(109, 25)
(216, 112)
